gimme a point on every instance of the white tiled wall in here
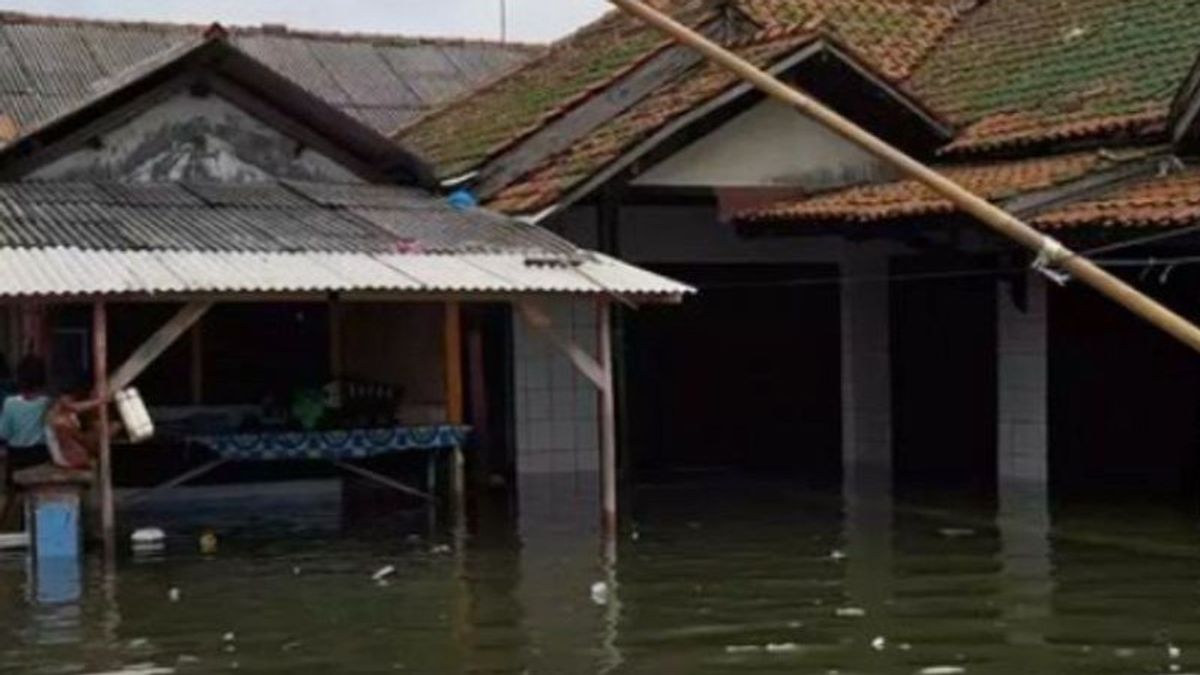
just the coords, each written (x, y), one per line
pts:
(556, 407)
(1023, 416)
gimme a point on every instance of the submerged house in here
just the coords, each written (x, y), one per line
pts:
(201, 224)
(847, 320)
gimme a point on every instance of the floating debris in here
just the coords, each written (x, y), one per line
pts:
(850, 612)
(138, 670)
(782, 648)
(229, 637)
(174, 595)
(956, 532)
(837, 555)
(742, 649)
(208, 542)
(441, 549)
(879, 643)
(600, 593)
(1173, 652)
(942, 670)
(383, 573)
(148, 540)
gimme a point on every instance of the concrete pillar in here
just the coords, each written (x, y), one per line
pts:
(1022, 376)
(1022, 456)
(866, 360)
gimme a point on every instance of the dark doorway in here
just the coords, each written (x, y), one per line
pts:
(1124, 397)
(746, 375)
(944, 385)
(487, 356)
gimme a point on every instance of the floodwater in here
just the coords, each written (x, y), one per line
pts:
(709, 578)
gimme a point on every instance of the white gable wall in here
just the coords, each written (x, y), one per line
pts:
(206, 139)
(769, 145)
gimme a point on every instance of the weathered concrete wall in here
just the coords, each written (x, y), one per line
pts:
(768, 145)
(556, 407)
(399, 345)
(199, 139)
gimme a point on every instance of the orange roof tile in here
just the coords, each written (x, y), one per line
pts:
(892, 35)
(1167, 201)
(1020, 72)
(908, 198)
(464, 133)
(889, 35)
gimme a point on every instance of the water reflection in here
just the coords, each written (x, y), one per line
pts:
(720, 577)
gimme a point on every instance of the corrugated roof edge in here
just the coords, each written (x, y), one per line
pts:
(13, 17)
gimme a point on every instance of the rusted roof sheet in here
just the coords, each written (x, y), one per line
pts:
(1164, 201)
(908, 198)
(49, 64)
(1023, 72)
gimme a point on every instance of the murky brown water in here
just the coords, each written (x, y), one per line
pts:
(747, 578)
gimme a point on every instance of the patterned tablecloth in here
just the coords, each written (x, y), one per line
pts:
(332, 445)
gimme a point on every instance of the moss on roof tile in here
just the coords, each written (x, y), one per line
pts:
(1018, 70)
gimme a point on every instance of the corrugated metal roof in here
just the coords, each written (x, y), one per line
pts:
(268, 217)
(71, 271)
(48, 65)
(94, 238)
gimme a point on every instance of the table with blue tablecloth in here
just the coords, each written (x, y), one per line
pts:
(340, 447)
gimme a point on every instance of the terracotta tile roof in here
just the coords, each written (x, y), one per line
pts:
(892, 35)
(461, 135)
(1157, 202)
(1029, 71)
(560, 173)
(908, 198)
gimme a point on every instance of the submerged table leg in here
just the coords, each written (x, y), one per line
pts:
(458, 478)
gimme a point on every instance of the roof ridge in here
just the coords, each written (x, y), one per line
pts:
(280, 30)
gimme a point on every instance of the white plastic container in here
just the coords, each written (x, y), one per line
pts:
(134, 415)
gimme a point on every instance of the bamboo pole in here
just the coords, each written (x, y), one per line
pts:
(1050, 251)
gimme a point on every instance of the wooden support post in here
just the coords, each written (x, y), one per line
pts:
(477, 376)
(155, 345)
(102, 384)
(337, 361)
(608, 418)
(455, 406)
(197, 369)
(1051, 253)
